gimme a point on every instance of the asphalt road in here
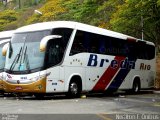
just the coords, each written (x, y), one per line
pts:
(145, 105)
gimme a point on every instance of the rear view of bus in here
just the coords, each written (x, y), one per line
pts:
(5, 37)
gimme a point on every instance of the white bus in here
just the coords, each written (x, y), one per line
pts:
(5, 37)
(71, 57)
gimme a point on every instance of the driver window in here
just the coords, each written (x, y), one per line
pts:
(54, 52)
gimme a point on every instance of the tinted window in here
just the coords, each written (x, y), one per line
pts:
(81, 43)
(54, 52)
(95, 43)
(65, 33)
(145, 51)
(151, 51)
(56, 47)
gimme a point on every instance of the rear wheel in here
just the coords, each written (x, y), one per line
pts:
(136, 87)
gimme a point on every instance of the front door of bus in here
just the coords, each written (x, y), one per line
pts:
(54, 55)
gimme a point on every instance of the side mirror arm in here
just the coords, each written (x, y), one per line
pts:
(45, 40)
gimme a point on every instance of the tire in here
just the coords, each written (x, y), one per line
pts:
(136, 87)
(39, 96)
(74, 90)
(1, 92)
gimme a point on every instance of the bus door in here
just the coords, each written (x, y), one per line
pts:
(53, 59)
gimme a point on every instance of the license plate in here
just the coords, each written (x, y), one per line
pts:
(18, 88)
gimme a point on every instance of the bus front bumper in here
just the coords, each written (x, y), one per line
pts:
(38, 86)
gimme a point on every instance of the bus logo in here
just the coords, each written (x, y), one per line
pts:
(94, 61)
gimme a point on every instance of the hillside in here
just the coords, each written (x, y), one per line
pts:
(126, 16)
(14, 14)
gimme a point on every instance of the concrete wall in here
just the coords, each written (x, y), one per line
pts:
(157, 81)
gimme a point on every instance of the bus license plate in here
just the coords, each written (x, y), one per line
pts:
(18, 88)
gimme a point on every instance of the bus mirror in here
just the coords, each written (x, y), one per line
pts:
(4, 49)
(45, 40)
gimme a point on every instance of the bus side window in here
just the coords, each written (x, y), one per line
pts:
(94, 43)
(79, 43)
(147, 53)
(132, 50)
(54, 53)
(65, 33)
(151, 51)
(102, 46)
(141, 52)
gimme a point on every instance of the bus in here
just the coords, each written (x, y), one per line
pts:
(71, 57)
(5, 37)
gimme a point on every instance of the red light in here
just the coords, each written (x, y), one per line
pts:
(131, 39)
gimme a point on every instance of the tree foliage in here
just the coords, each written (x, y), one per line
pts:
(125, 16)
(7, 17)
(49, 11)
(106, 10)
(81, 11)
(136, 15)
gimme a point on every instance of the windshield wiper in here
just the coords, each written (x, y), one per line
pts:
(16, 59)
(10, 49)
(26, 59)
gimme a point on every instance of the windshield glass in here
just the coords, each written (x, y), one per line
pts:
(24, 55)
(2, 59)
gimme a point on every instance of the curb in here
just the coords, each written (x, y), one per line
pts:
(156, 91)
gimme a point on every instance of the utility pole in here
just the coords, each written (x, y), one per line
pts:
(142, 21)
(19, 4)
(142, 27)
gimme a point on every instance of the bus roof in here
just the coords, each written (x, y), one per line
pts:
(73, 25)
(6, 34)
(4, 41)
(70, 24)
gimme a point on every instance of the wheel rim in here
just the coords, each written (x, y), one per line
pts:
(136, 88)
(74, 88)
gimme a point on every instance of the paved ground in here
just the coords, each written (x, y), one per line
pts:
(93, 107)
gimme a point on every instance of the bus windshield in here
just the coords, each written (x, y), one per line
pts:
(24, 55)
(2, 59)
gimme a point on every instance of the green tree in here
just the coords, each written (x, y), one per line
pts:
(158, 2)
(105, 11)
(128, 19)
(7, 17)
(49, 12)
(80, 10)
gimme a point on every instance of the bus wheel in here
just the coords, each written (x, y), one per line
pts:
(74, 90)
(2, 92)
(39, 95)
(136, 87)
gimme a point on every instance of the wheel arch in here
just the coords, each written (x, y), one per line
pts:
(136, 79)
(74, 77)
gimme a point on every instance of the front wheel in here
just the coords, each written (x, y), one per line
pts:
(39, 95)
(74, 89)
